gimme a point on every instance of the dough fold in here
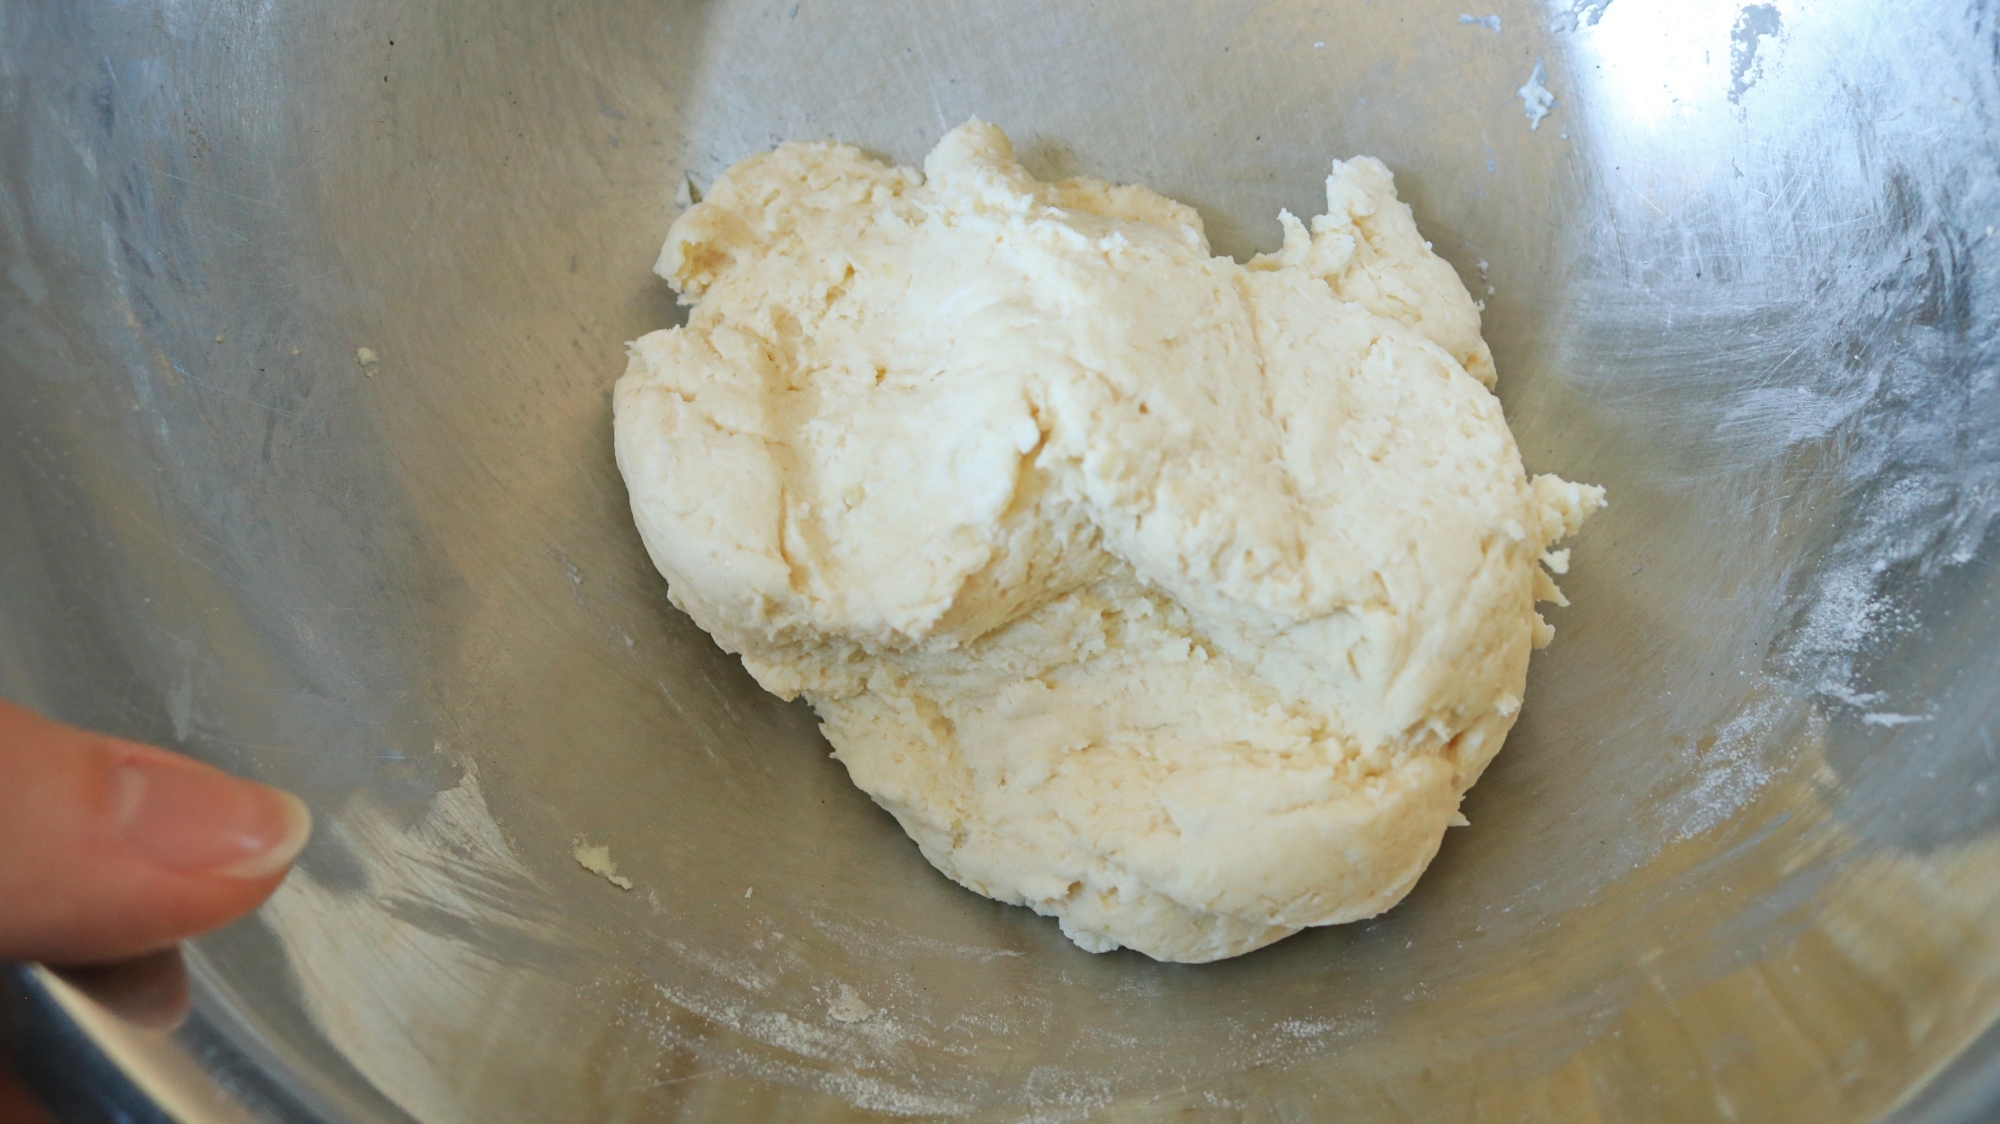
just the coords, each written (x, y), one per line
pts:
(1176, 598)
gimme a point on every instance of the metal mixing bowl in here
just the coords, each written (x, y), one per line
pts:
(1740, 860)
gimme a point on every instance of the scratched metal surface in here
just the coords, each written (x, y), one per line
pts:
(1741, 859)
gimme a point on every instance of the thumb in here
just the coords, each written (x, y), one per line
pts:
(110, 849)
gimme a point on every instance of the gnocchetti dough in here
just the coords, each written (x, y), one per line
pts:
(1175, 598)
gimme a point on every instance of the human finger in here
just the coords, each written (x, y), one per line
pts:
(110, 849)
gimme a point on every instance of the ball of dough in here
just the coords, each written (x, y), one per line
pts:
(1175, 598)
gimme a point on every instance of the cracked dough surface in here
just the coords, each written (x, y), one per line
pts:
(1176, 598)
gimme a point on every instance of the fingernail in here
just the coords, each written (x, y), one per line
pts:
(190, 817)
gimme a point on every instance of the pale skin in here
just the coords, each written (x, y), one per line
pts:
(111, 850)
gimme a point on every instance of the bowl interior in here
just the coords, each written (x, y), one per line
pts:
(1737, 860)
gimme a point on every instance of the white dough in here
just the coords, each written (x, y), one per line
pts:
(597, 860)
(1178, 599)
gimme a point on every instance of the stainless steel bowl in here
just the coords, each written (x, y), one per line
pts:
(1740, 861)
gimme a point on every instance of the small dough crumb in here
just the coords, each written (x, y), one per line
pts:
(597, 860)
(686, 194)
(847, 1007)
(1177, 598)
(366, 359)
(1536, 100)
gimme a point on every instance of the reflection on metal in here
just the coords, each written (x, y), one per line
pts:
(311, 311)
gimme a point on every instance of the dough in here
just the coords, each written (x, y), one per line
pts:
(597, 860)
(1176, 598)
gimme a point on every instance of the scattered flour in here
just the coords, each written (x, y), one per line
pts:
(1884, 718)
(847, 1006)
(1733, 768)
